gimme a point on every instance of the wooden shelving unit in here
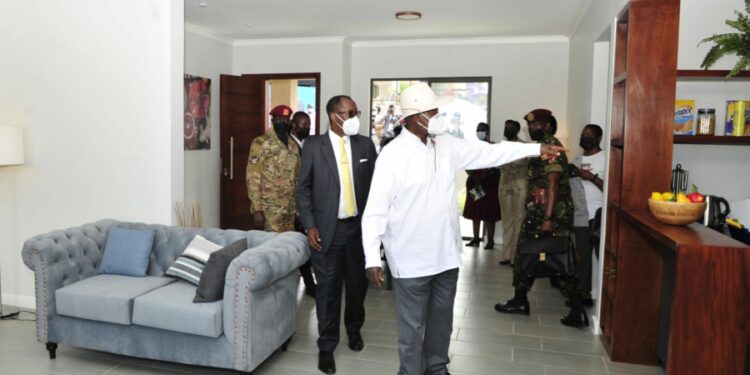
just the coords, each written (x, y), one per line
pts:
(675, 295)
(710, 75)
(640, 161)
(711, 140)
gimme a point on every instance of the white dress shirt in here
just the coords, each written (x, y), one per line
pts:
(413, 206)
(297, 140)
(337, 152)
(594, 196)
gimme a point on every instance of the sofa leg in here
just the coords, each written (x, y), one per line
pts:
(285, 345)
(51, 348)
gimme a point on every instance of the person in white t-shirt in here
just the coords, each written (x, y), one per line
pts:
(590, 167)
(412, 210)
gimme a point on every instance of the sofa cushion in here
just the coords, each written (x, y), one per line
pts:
(189, 266)
(211, 286)
(106, 298)
(127, 252)
(172, 308)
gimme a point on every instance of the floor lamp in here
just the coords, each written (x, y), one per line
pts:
(11, 153)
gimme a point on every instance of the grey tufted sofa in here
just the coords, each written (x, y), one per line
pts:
(153, 316)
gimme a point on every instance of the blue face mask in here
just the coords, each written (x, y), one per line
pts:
(482, 136)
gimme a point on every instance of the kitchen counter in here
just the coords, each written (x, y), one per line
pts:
(703, 322)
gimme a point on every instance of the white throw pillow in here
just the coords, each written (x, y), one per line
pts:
(189, 266)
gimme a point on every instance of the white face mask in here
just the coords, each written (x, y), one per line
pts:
(350, 125)
(435, 125)
(482, 135)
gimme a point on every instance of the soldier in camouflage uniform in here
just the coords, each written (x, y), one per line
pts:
(271, 178)
(549, 211)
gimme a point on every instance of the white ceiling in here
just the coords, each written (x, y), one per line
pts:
(375, 20)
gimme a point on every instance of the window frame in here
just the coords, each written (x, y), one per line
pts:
(430, 81)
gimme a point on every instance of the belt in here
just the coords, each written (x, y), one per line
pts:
(349, 219)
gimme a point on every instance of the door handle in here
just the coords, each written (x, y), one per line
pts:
(226, 172)
(231, 158)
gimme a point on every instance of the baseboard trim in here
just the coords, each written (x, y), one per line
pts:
(19, 300)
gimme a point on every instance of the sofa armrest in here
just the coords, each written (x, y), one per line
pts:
(269, 261)
(253, 273)
(60, 258)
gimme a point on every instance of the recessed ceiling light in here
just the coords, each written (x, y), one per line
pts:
(250, 25)
(408, 15)
(202, 4)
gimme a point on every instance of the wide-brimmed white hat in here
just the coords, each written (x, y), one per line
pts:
(419, 98)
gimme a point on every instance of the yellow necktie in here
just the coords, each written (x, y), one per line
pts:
(346, 179)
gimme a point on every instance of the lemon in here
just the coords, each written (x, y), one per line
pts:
(657, 196)
(668, 196)
(682, 198)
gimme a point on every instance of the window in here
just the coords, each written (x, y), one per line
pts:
(385, 111)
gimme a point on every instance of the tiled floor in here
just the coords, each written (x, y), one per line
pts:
(484, 342)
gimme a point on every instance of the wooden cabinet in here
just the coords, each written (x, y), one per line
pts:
(688, 274)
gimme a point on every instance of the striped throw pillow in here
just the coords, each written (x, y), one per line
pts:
(189, 266)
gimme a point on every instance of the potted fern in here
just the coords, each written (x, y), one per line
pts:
(731, 43)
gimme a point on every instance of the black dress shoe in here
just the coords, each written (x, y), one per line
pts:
(514, 307)
(355, 342)
(504, 263)
(473, 243)
(575, 320)
(326, 363)
(489, 246)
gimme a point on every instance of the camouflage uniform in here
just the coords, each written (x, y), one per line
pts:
(271, 179)
(562, 217)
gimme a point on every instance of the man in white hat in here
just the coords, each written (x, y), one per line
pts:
(412, 209)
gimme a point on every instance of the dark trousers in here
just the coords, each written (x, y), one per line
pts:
(584, 249)
(342, 263)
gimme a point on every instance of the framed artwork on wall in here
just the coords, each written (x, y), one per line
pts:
(197, 123)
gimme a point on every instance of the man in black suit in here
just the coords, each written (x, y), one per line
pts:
(334, 181)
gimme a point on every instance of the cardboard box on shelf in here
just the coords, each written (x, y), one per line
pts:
(684, 117)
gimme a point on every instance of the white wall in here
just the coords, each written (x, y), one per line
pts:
(716, 170)
(206, 56)
(527, 73)
(700, 19)
(327, 56)
(588, 73)
(95, 87)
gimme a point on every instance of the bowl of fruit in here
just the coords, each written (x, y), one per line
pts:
(677, 209)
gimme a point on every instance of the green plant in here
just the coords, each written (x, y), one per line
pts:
(731, 43)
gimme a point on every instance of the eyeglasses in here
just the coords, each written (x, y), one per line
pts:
(350, 114)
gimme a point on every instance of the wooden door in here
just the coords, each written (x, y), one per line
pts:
(242, 117)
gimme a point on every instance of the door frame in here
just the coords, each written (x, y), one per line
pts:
(316, 76)
(224, 147)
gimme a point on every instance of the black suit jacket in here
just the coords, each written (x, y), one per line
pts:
(318, 186)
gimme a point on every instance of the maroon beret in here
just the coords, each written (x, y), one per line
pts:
(538, 115)
(281, 111)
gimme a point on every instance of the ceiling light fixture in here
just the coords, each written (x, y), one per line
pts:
(408, 15)
(202, 4)
(250, 25)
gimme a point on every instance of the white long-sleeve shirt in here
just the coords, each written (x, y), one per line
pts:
(412, 207)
